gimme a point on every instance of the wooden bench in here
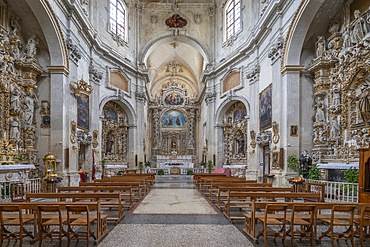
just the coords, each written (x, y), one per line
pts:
(198, 176)
(126, 191)
(223, 192)
(241, 200)
(204, 183)
(30, 213)
(107, 200)
(138, 188)
(256, 211)
(214, 190)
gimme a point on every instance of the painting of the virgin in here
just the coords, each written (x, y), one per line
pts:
(173, 119)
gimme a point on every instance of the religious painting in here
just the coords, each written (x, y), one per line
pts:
(266, 108)
(173, 119)
(275, 160)
(293, 130)
(173, 98)
(83, 112)
(240, 114)
(110, 114)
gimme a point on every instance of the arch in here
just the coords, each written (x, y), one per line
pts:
(53, 33)
(130, 112)
(225, 106)
(156, 42)
(297, 31)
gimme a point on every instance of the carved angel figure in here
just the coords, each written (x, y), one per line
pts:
(359, 27)
(364, 103)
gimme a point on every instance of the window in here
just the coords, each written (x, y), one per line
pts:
(232, 18)
(117, 22)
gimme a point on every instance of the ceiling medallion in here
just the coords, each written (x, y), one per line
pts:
(176, 21)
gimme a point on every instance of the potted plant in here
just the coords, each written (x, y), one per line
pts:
(189, 172)
(141, 166)
(202, 164)
(293, 162)
(160, 172)
(210, 166)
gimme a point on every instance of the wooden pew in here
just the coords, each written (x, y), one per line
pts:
(143, 186)
(30, 212)
(214, 187)
(107, 200)
(241, 199)
(138, 187)
(126, 191)
(205, 183)
(198, 176)
(321, 213)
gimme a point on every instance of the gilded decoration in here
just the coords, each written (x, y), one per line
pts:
(235, 129)
(342, 96)
(173, 118)
(114, 134)
(19, 70)
(81, 88)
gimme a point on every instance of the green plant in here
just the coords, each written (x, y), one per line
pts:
(141, 166)
(103, 163)
(314, 172)
(210, 166)
(160, 172)
(147, 163)
(202, 164)
(22, 157)
(351, 175)
(293, 162)
(189, 172)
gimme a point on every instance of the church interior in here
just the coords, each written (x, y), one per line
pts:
(92, 89)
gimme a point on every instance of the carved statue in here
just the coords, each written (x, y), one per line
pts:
(31, 47)
(320, 114)
(109, 148)
(334, 129)
(14, 130)
(320, 46)
(336, 95)
(364, 103)
(359, 27)
(29, 107)
(347, 38)
(15, 97)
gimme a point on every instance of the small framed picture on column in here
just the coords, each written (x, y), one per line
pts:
(293, 130)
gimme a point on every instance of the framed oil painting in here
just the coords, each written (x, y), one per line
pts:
(266, 108)
(83, 112)
(173, 98)
(240, 114)
(275, 157)
(173, 119)
(293, 130)
(110, 114)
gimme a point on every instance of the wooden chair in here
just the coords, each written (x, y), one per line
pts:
(79, 216)
(343, 216)
(275, 216)
(303, 216)
(17, 192)
(50, 223)
(363, 224)
(12, 224)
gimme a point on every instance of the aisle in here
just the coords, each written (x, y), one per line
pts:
(174, 214)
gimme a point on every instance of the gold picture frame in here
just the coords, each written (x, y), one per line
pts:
(293, 130)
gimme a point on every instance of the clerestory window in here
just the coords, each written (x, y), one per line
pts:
(118, 20)
(232, 18)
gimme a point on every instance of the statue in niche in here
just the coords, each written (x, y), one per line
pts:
(29, 107)
(359, 27)
(336, 95)
(14, 129)
(320, 46)
(320, 114)
(15, 97)
(305, 161)
(109, 146)
(334, 129)
(31, 47)
(364, 103)
(240, 144)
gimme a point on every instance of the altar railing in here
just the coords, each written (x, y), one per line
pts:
(30, 185)
(183, 171)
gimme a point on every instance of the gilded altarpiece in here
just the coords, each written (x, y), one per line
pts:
(342, 90)
(235, 130)
(173, 118)
(114, 134)
(19, 70)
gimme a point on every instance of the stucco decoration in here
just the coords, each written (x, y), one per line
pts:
(341, 88)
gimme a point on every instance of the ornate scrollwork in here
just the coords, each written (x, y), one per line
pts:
(84, 137)
(264, 138)
(81, 88)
